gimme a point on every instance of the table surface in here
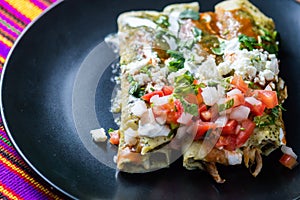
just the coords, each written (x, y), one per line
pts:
(17, 179)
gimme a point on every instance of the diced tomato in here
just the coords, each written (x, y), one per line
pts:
(202, 108)
(288, 161)
(257, 110)
(114, 137)
(228, 142)
(238, 99)
(230, 127)
(269, 98)
(172, 111)
(199, 96)
(167, 90)
(240, 83)
(247, 128)
(148, 96)
(196, 82)
(205, 115)
(203, 127)
(191, 98)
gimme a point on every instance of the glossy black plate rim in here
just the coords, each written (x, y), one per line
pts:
(10, 135)
(134, 178)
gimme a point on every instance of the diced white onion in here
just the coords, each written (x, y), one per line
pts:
(185, 118)
(130, 136)
(161, 119)
(148, 126)
(268, 88)
(240, 113)
(153, 130)
(234, 92)
(158, 101)
(282, 137)
(210, 95)
(221, 121)
(139, 108)
(253, 101)
(288, 150)
(234, 158)
(221, 101)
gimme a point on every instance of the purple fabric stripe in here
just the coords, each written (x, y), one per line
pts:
(39, 4)
(11, 22)
(4, 50)
(9, 31)
(10, 149)
(3, 133)
(15, 12)
(18, 185)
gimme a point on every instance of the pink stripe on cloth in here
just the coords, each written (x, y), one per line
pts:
(15, 12)
(9, 21)
(39, 4)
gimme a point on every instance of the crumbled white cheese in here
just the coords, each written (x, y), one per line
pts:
(142, 78)
(173, 75)
(116, 102)
(112, 40)
(137, 22)
(135, 66)
(207, 70)
(257, 65)
(99, 135)
(173, 21)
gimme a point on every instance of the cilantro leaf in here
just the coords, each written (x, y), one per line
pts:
(219, 50)
(135, 89)
(189, 107)
(110, 130)
(163, 21)
(247, 42)
(226, 105)
(189, 14)
(177, 62)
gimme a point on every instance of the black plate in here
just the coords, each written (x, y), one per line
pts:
(38, 106)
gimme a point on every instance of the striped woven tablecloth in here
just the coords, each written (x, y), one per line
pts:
(17, 179)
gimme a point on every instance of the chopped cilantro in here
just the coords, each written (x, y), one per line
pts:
(189, 107)
(177, 62)
(268, 118)
(163, 21)
(226, 105)
(135, 89)
(219, 50)
(189, 14)
(247, 42)
(146, 70)
(110, 130)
